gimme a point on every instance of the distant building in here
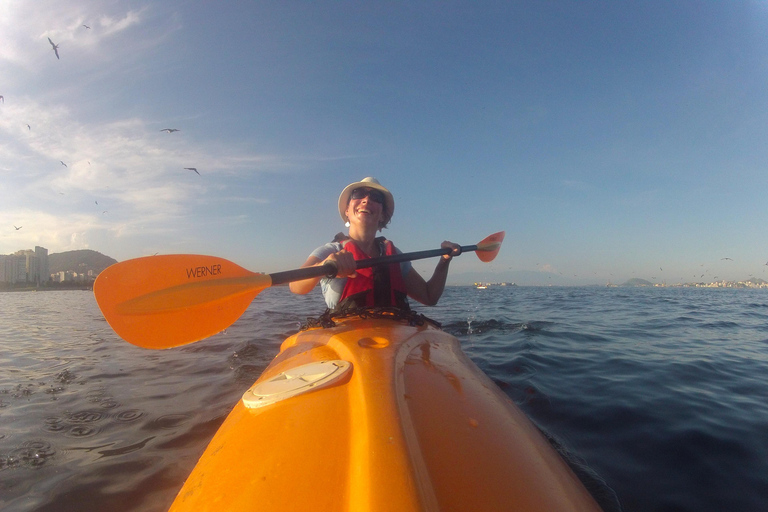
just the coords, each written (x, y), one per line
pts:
(25, 266)
(43, 274)
(12, 269)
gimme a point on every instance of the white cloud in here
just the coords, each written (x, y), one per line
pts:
(112, 25)
(46, 229)
(25, 27)
(122, 177)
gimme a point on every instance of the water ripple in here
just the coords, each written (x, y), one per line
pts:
(659, 392)
(31, 454)
(129, 415)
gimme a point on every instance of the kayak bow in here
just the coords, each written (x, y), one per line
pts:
(376, 414)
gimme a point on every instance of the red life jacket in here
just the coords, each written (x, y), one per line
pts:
(382, 285)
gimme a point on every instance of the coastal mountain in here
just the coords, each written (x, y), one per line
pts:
(637, 282)
(80, 261)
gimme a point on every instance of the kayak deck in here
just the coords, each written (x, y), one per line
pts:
(411, 425)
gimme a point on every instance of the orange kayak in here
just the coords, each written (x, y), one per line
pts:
(378, 415)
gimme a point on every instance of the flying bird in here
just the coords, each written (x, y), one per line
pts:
(55, 47)
(2, 98)
(29, 127)
(730, 259)
(62, 163)
(17, 228)
(192, 169)
(169, 130)
(86, 26)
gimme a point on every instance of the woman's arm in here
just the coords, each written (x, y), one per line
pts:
(307, 285)
(429, 292)
(345, 264)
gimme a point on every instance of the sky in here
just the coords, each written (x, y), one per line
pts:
(610, 140)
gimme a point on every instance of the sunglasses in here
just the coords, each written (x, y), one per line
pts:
(372, 194)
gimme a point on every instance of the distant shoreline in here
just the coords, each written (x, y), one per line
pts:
(708, 286)
(47, 289)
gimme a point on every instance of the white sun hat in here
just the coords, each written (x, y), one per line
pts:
(366, 183)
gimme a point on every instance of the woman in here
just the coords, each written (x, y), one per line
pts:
(367, 207)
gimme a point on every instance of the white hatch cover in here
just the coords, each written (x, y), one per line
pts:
(294, 382)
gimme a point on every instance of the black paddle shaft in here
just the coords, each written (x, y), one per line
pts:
(328, 269)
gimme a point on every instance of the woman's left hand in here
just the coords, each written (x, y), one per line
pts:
(456, 249)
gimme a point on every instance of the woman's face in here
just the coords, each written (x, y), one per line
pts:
(365, 208)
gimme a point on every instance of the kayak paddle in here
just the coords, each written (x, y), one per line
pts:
(170, 300)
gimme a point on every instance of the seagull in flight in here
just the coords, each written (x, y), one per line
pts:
(192, 169)
(86, 26)
(62, 163)
(17, 228)
(729, 259)
(2, 98)
(169, 130)
(55, 47)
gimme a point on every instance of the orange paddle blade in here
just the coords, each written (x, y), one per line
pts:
(171, 300)
(489, 247)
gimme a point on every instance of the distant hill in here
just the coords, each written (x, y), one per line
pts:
(79, 261)
(637, 282)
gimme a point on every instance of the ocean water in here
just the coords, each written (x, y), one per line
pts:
(659, 396)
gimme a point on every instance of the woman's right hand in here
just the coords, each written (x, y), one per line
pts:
(344, 262)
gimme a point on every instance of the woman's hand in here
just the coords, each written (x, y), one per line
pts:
(455, 250)
(429, 292)
(344, 262)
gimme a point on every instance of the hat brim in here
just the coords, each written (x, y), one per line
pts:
(344, 197)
